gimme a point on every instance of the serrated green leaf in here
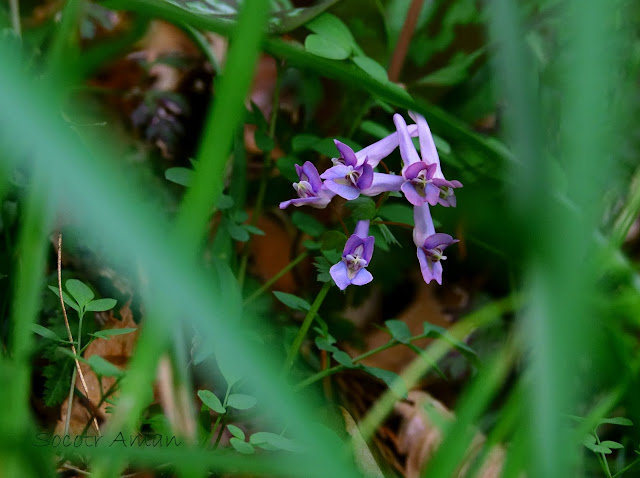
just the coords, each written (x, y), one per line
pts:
(46, 333)
(108, 333)
(100, 305)
(242, 446)
(103, 367)
(398, 330)
(363, 208)
(325, 48)
(292, 301)
(387, 235)
(307, 223)
(236, 432)
(372, 67)
(79, 291)
(240, 401)
(66, 297)
(211, 401)
(181, 176)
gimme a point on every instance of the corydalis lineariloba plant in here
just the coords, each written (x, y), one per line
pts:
(352, 174)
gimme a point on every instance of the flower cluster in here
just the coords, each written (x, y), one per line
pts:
(352, 174)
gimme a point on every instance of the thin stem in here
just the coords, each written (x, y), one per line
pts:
(266, 171)
(304, 328)
(633, 463)
(402, 47)
(15, 16)
(220, 420)
(602, 457)
(73, 348)
(275, 278)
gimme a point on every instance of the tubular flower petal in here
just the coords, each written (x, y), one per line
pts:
(430, 244)
(350, 175)
(356, 256)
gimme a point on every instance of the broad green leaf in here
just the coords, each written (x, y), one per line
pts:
(393, 380)
(363, 207)
(66, 297)
(107, 334)
(211, 401)
(103, 367)
(399, 330)
(79, 291)
(617, 421)
(236, 432)
(241, 401)
(307, 223)
(181, 176)
(372, 67)
(100, 305)
(614, 445)
(242, 446)
(277, 441)
(332, 28)
(292, 301)
(325, 48)
(46, 333)
(326, 343)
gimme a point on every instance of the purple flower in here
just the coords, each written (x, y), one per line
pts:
(379, 150)
(310, 189)
(350, 175)
(430, 244)
(355, 258)
(418, 186)
(445, 195)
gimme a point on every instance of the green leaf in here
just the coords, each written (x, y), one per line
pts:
(363, 207)
(387, 235)
(399, 330)
(590, 442)
(372, 67)
(181, 176)
(614, 445)
(343, 358)
(107, 334)
(79, 291)
(322, 265)
(442, 146)
(253, 230)
(333, 29)
(237, 231)
(333, 240)
(236, 432)
(67, 298)
(434, 331)
(264, 141)
(397, 213)
(617, 421)
(225, 202)
(325, 48)
(100, 305)
(103, 367)
(241, 401)
(292, 301)
(374, 129)
(211, 401)
(46, 333)
(326, 343)
(57, 377)
(242, 446)
(307, 223)
(286, 166)
(276, 441)
(393, 380)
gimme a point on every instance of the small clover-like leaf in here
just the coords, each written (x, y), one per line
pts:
(343, 359)
(66, 297)
(100, 305)
(79, 291)
(241, 401)
(276, 441)
(211, 401)
(617, 421)
(614, 445)
(236, 432)
(242, 446)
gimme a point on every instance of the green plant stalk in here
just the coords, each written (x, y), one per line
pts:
(622, 471)
(264, 177)
(601, 456)
(220, 420)
(15, 17)
(72, 386)
(304, 328)
(223, 120)
(201, 42)
(629, 212)
(275, 278)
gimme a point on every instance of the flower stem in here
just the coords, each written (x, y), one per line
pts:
(275, 278)
(304, 328)
(15, 16)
